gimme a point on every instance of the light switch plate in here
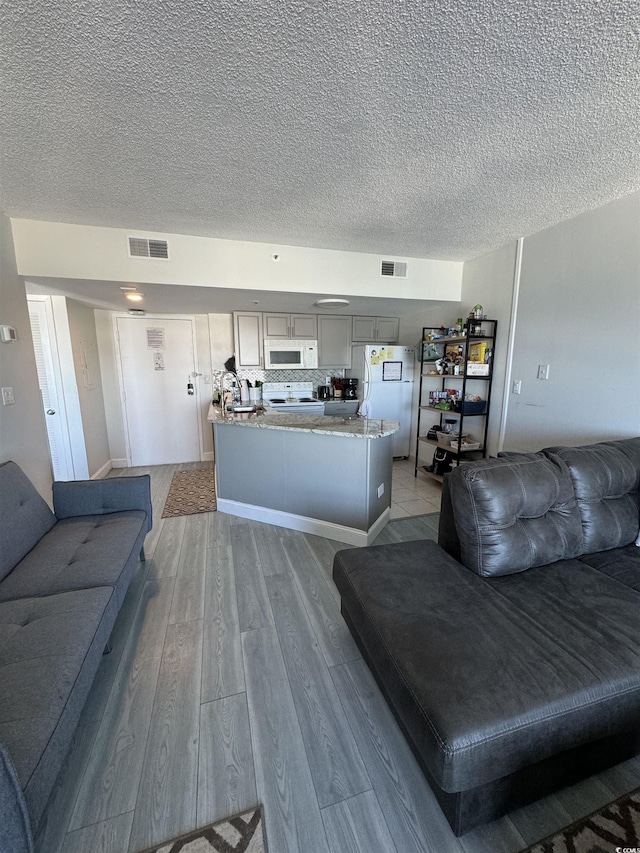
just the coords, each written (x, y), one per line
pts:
(543, 371)
(381, 490)
(7, 397)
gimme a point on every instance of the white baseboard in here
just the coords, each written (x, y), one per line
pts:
(327, 529)
(103, 471)
(119, 463)
(207, 456)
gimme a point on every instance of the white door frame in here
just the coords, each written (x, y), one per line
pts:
(121, 387)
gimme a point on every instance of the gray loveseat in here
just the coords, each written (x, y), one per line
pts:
(63, 577)
(509, 651)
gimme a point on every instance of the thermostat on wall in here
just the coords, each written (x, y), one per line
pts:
(8, 334)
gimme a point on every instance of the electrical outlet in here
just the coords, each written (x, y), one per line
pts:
(543, 371)
(381, 490)
(7, 397)
(516, 388)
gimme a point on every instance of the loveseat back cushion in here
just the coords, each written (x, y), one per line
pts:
(605, 481)
(24, 516)
(514, 513)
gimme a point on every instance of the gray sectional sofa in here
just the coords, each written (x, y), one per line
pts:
(509, 651)
(63, 577)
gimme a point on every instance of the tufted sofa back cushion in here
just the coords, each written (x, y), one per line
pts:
(606, 480)
(24, 516)
(513, 513)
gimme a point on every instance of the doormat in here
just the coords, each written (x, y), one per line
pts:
(190, 492)
(243, 833)
(613, 827)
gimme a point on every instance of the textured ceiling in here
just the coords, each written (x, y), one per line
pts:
(425, 128)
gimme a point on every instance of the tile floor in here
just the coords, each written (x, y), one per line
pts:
(412, 495)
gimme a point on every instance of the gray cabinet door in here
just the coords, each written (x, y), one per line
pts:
(388, 329)
(302, 327)
(334, 341)
(247, 329)
(363, 329)
(276, 325)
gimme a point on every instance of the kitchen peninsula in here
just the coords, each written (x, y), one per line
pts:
(319, 474)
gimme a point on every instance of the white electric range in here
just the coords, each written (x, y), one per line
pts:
(292, 398)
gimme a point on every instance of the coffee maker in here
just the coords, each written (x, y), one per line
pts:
(350, 389)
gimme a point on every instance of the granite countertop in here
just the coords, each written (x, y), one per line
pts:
(325, 424)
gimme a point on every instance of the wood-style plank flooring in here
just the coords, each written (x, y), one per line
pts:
(233, 680)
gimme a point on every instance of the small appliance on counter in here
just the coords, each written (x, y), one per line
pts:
(350, 388)
(324, 392)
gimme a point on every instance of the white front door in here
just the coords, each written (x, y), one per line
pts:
(49, 379)
(157, 358)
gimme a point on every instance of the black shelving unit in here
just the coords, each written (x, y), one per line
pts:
(474, 376)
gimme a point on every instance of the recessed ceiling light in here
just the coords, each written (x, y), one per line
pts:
(331, 303)
(134, 296)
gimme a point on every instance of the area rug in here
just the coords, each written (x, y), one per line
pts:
(190, 492)
(243, 833)
(613, 827)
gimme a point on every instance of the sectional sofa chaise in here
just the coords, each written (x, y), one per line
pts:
(509, 651)
(63, 578)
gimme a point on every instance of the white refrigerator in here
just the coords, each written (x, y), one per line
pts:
(385, 387)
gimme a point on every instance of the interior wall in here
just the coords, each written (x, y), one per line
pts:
(86, 362)
(23, 436)
(114, 413)
(579, 312)
(59, 250)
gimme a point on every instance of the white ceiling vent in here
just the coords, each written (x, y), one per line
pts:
(394, 269)
(141, 247)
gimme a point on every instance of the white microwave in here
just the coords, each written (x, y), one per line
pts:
(290, 355)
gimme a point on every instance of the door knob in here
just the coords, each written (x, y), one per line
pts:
(51, 411)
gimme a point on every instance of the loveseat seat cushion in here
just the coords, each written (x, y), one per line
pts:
(513, 513)
(605, 480)
(78, 553)
(24, 516)
(50, 649)
(621, 564)
(488, 676)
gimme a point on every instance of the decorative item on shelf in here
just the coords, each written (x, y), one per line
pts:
(477, 369)
(444, 366)
(471, 405)
(478, 352)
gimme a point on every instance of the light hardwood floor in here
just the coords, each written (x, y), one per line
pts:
(233, 680)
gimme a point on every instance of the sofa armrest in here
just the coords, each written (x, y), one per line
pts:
(98, 497)
(15, 829)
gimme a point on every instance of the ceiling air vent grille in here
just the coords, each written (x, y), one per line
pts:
(394, 269)
(141, 247)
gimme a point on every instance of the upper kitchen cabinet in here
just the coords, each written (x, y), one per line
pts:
(290, 326)
(334, 341)
(372, 329)
(247, 332)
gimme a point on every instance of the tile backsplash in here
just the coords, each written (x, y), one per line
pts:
(317, 377)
